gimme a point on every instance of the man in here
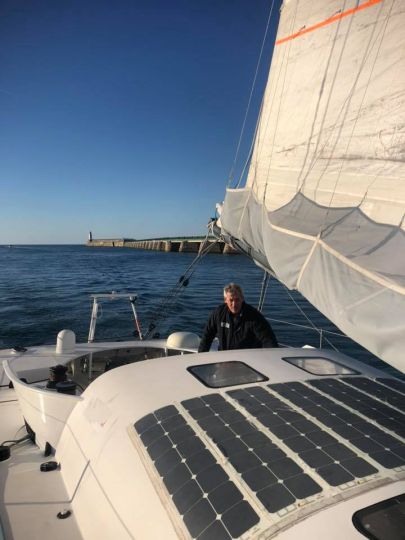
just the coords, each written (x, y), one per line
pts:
(237, 325)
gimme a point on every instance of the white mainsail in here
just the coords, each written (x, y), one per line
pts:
(324, 201)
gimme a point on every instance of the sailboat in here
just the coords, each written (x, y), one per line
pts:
(282, 443)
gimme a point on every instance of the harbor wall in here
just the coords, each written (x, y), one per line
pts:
(168, 245)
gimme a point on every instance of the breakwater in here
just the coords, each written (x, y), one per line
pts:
(180, 245)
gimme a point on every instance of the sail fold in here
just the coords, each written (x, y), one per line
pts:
(324, 201)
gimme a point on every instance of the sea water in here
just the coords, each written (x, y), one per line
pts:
(44, 289)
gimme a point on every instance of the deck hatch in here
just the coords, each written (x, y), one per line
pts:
(382, 521)
(222, 374)
(382, 447)
(318, 365)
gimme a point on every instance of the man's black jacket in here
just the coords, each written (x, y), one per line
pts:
(247, 330)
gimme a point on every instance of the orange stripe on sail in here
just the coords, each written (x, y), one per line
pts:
(331, 20)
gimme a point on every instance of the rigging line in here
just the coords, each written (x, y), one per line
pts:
(263, 291)
(248, 159)
(302, 177)
(162, 309)
(344, 108)
(231, 172)
(284, 64)
(309, 320)
(385, 24)
(342, 114)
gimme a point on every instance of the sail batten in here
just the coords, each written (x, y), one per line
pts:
(324, 201)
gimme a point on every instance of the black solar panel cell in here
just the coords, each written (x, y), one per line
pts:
(232, 446)
(187, 496)
(244, 461)
(269, 453)
(213, 399)
(216, 531)
(231, 417)
(275, 497)
(388, 459)
(284, 468)
(210, 423)
(212, 477)
(358, 467)
(302, 486)
(159, 447)
(315, 458)
(190, 446)
(167, 461)
(199, 517)
(255, 440)
(224, 497)
(220, 434)
(176, 478)
(200, 461)
(272, 419)
(174, 422)
(258, 478)
(320, 438)
(335, 474)
(305, 426)
(181, 434)
(299, 444)
(393, 383)
(285, 431)
(193, 403)
(242, 428)
(152, 434)
(145, 423)
(240, 518)
(201, 412)
(339, 451)
(166, 412)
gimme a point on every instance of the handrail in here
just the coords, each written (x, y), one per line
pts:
(319, 330)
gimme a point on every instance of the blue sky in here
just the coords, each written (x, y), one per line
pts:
(122, 117)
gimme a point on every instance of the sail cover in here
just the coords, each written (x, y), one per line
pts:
(324, 200)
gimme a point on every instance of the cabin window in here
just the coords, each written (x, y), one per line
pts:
(382, 521)
(222, 374)
(319, 366)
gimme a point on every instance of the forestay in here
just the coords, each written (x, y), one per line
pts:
(324, 201)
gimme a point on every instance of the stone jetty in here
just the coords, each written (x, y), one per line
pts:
(191, 244)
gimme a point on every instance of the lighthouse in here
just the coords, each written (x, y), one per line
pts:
(90, 237)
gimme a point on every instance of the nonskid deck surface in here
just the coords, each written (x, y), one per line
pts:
(30, 499)
(252, 459)
(278, 446)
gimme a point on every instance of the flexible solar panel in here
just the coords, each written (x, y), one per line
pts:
(382, 447)
(208, 501)
(285, 442)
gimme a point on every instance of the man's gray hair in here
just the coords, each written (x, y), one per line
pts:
(233, 288)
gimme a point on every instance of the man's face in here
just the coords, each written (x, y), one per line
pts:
(234, 302)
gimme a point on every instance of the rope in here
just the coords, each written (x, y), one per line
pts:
(263, 291)
(166, 304)
(231, 172)
(319, 330)
(15, 441)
